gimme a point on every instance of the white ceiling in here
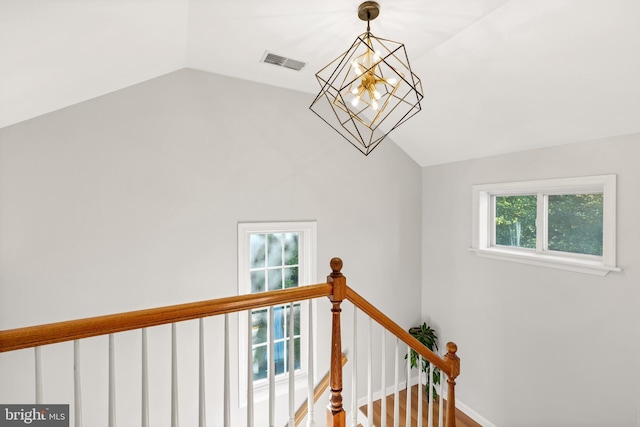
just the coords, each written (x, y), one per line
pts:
(498, 75)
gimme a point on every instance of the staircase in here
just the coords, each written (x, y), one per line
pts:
(148, 367)
(462, 420)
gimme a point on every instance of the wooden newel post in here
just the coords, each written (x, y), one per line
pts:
(336, 416)
(454, 370)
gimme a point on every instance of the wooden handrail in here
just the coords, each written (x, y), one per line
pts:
(450, 365)
(33, 336)
(317, 392)
(335, 289)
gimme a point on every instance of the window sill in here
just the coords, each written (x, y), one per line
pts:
(551, 261)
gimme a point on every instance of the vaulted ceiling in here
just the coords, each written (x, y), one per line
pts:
(498, 75)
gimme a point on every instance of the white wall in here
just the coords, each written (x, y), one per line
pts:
(539, 347)
(131, 200)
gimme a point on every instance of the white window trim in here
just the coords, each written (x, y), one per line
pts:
(483, 227)
(307, 274)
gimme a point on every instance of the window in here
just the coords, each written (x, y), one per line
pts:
(274, 256)
(564, 223)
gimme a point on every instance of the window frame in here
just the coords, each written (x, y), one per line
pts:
(483, 225)
(307, 273)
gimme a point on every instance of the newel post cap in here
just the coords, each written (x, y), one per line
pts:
(338, 281)
(336, 266)
(453, 359)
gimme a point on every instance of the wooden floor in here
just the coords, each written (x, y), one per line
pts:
(462, 420)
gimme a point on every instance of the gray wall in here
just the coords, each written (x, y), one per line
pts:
(539, 347)
(131, 200)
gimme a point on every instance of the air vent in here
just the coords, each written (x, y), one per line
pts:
(281, 61)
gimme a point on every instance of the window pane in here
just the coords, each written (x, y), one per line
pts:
(260, 362)
(575, 223)
(291, 277)
(259, 326)
(256, 250)
(296, 320)
(278, 322)
(275, 279)
(296, 351)
(278, 356)
(275, 250)
(257, 281)
(516, 221)
(291, 248)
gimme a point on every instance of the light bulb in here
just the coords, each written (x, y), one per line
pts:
(392, 81)
(354, 101)
(358, 71)
(355, 91)
(376, 57)
(376, 94)
(374, 105)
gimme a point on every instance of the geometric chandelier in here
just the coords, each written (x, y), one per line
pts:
(369, 90)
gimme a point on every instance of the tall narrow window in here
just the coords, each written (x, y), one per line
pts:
(274, 265)
(273, 256)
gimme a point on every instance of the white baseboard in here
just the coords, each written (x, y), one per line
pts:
(474, 415)
(470, 412)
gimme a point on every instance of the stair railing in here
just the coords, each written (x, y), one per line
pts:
(449, 364)
(335, 289)
(76, 330)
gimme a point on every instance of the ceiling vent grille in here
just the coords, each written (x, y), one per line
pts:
(281, 61)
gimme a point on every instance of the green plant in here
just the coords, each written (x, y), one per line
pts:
(427, 336)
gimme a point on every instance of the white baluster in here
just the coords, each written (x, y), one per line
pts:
(369, 374)
(354, 376)
(430, 380)
(249, 369)
(202, 410)
(77, 390)
(292, 384)
(441, 400)
(39, 389)
(112, 381)
(420, 392)
(408, 403)
(145, 380)
(227, 384)
(272, 368)
(383, 380)
(174, 376)
(310, 396)
(396, 395)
